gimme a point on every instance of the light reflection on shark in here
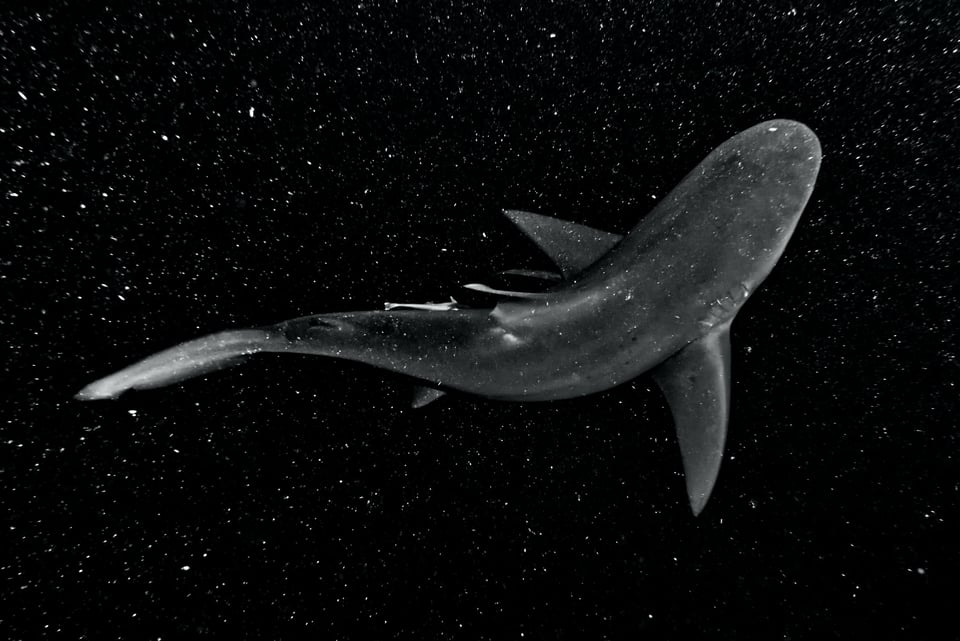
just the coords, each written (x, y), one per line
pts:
(659, 299)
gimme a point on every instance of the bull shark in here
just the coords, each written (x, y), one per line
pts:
(659, 299)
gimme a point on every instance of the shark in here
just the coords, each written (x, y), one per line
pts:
(659, 299)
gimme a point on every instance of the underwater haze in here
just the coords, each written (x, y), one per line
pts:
(173, 171)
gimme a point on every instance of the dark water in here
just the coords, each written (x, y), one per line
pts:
(173, 170)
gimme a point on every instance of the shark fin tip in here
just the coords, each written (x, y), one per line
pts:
(698, 500)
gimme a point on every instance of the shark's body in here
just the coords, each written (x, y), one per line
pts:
(659, 299)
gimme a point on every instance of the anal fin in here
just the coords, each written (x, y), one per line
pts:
(696, 382)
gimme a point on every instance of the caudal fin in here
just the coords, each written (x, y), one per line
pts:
(187, 360)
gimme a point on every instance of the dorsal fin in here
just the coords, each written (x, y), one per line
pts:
(696, 382)
(570, 246)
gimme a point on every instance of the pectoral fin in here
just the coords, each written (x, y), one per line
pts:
(570, 246)
(696, 382)
(425, 395)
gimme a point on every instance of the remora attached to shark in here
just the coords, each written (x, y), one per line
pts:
(659, 299)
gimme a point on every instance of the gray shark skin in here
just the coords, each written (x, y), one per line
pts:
(659, 299)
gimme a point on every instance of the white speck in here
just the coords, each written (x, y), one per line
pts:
(772, 129)
(132, 412)
(553, 35)
(164, 137)
(22, 95)
(252, 112)
(185, 568)
(921, 571)
(14, 194)
(120, 296)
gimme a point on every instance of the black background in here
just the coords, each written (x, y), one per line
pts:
(173, 169)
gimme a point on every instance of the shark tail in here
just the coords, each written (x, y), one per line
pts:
(187, 360)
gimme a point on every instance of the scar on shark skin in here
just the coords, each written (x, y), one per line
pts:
(619, 308)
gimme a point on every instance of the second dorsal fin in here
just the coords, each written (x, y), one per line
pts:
(570, 246)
